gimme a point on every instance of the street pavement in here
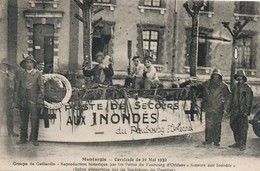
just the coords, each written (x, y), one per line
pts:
(187, 149)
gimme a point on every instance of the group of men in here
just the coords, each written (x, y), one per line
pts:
(142, 75)
(216, 96)
(217, 99)
(23, 90)
(26, 91)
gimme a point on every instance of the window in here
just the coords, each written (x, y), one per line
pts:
(203, 47)
(44, 3)
(208, 6)
(202, 51)
(245, 53)
(152, 3)
(246, 7)
(150, 43)
(152, 6)
(103, 1)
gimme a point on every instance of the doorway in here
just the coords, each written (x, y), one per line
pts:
(43, 45)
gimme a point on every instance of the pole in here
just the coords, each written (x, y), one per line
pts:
(236, 35)
(87, 36)
(129, 55)
(194, 45)
(194, 13)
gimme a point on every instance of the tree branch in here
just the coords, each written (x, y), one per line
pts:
(90, 2)
(243, 25)
(77, 16)
(98, 10)
(226, 25)
(186, 6)
(96, 22)
(79, 4)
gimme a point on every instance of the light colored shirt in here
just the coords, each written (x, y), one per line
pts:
(138, 70)
(151, 73)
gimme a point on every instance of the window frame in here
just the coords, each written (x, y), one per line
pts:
(253, 52)
(102, 2)
(150, 40)
(152, 3)
(202, 31)
(160, 45)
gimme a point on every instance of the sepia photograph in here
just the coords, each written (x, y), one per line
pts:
(130, 85)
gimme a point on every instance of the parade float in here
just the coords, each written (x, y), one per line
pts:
(115, 113)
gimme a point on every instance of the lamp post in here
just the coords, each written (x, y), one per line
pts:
(194, 13)
(236, 34)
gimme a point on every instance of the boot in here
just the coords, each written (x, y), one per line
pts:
(13, 134)
(21, 142)
(216, 144)
(242, 147)
(206, 142)
(35, 143)
(234, 145)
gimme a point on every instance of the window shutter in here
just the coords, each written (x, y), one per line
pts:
(237, 7)
(139, 42)
(188, 44)
(113, 2)
(163, 4)
(253, 54)
(211, 6)
(141, 3)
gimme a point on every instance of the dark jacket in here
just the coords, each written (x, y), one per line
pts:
(214, 96)
(241, 100)
(96, 71)
(30, 88)
(7, 81)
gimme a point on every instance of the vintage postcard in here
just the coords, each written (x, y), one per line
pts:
(129, 85)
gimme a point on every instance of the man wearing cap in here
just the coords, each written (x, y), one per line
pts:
(215, 95)
(30, 90)
(150, 76)
(240, 108)
(7, 80)
(102, 74)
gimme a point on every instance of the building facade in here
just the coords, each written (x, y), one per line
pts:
(161, 28)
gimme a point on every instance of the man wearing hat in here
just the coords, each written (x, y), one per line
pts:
(30, 90)
(215, 95)
(102, 74)
(7, 80)
(150, 76)
(240, 108)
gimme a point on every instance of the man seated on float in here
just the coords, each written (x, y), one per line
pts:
(137, 72)
(102, 75)
(150, 76)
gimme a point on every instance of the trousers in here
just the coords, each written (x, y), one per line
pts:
(239, 126)
(6, 109)
(213, 127)
(25, 112)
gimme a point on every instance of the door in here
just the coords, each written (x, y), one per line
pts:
(43, 36)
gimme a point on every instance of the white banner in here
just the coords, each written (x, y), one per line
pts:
(119, 120)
